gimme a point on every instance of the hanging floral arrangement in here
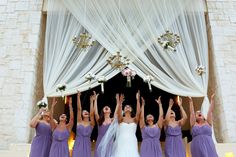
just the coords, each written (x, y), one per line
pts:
(61, 88)
(129, 74)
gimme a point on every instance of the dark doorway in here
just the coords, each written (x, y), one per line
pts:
(118, 85)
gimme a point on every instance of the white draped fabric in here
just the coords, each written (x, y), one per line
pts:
(63, 62)
(131, 27)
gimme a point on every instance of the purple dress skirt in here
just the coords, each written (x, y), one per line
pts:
(202, 144)
(174, 146)
(102, 129)
(150, 146)
(59, 146)
(82, 146)
(41, 143)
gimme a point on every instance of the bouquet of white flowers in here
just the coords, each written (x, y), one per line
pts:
(148, 80)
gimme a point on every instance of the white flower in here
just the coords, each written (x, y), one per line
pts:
(200, 69)
(61, 87)
(148, 78)
(42, 103)
(90, 76)
(101, 79)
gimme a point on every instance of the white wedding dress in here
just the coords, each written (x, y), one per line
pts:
(119, 141)
(126, 142)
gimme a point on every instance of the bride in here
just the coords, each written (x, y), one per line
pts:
(120, 137)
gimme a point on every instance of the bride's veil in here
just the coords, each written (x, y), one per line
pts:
(108, 144)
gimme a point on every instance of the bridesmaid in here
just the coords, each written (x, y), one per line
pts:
(150, 146)
(174, 146)
(41, 143)
(202, 144)
(103, 121)
(82, 146)
(61, 132)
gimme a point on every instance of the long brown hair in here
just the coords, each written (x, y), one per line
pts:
(101, 119)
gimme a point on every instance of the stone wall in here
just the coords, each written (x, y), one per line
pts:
(20, 52)
(222, 40)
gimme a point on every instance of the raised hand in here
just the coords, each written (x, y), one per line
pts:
(95, 95)
(190, 99)
(158, 100)
(212, 96)
(54, 102)
(122, 98)
(143, 101)
(180, 102)
(171, 102)
(138, 95)
(78, 94)
(70, 100)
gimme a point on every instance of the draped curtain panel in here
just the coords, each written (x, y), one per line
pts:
(63, 61)
(132, 28)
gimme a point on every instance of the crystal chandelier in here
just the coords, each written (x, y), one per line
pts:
(169, 41)
(117, 61)
(84, 40)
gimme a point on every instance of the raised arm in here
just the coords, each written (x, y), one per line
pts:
(92, 101)
(210, 111)
(183, 113)
(117, 106)
(71, 121)
(192, 113)
(96, 107)
(79, 109)
(137, 107)
(167, 117)
(142, 118)
(120, 103)
(35, 119)
(52, 122)
(160, 118)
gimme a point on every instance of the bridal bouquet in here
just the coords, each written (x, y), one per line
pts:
(90, 76)
(101, 80)
(129, 73)
(148, 80)
(42, 103)
(61, 88)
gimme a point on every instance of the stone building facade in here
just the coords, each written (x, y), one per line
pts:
(22, 28)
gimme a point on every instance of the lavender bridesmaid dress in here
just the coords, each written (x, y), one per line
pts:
(174, 146)
(82, 146)
(202, 144)
(41, 143)
(59, 146)
(102, 129)
(150, 146)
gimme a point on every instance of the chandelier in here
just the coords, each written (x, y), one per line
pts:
(169, 41)
(117, 61)
(84, 40)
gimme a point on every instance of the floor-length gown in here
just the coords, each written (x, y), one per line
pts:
(150, 146)
(82, 145)
(101, 132)
(41, 143)
(174, 146)
(59, 147)
(202, 144)
(126, 141)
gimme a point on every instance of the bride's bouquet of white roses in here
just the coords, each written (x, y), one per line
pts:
(148, 80)
(101, 80)
(61, 88)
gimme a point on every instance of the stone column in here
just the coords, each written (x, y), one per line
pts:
(20, 57)
(222, 43)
